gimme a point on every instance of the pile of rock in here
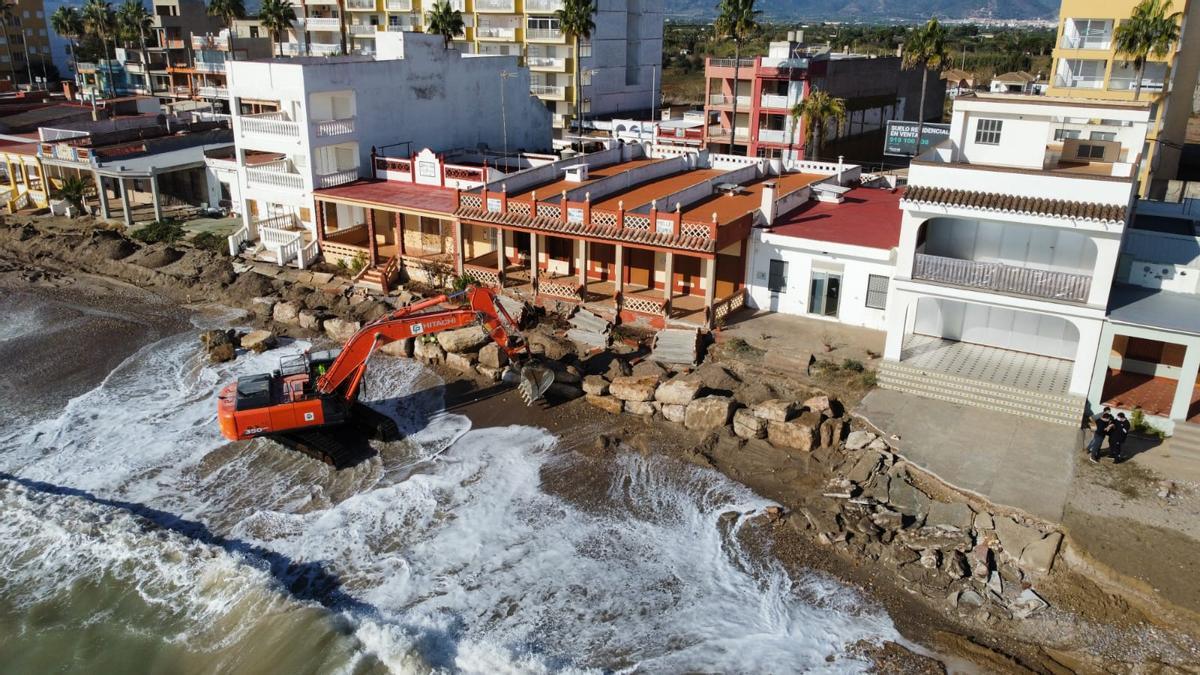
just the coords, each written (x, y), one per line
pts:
(706, 400)
(222, 345)
(976, 561)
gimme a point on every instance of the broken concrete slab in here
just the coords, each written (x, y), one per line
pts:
(1038, 556)
(956, 514)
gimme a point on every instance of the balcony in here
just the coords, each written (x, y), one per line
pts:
(274, 176)
(731, 63)
(1087, 34)
(722, 100)
(780, 67)
(550, 91)
(400, 5)
(544, 35)
(773, 136)
(546, 63)
(406, 27)
(324, 48)
(336, 178)
(716, 131)
(326, 128)
(1078, 81)
(360, 5)
(362, 29)
(542, 6)
(496, 6)
(1001, 278)
(209, 66)
(212, 92)
(320, 23)
(215, 42)
(176, 44)
(495, 33)
(272, 125)
(774, 101)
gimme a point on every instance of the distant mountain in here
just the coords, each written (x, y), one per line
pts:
(865, 10)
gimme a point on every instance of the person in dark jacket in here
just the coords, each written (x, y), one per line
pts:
(1102, 422)
(1118, 431)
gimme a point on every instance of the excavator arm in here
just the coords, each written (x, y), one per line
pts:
(344, 376)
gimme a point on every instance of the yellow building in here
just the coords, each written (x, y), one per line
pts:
(25, 52)
(1087, 66)
(626, 44)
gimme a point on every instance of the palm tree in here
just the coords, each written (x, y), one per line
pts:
(8, 11)
(99, 18)
(817, 110)
(1149, 31)
(133, 21)
(736, 22)
(444, 20)
(926, 49)
(277, 17)
(575, 19)
(66, 22)
(73, 189)
(228, 11)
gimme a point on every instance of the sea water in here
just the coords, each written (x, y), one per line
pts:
(135, 539)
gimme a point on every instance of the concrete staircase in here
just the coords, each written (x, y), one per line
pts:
(1063, 409)
(1185, 443)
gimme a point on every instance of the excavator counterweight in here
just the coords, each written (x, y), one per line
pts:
(310, 403)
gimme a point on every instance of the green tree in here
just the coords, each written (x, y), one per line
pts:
(926, 49)
(737, 21)
(277, 17)
(228, 11)
(444, 20)
(817, 110)
(100, 20)
(132, 22)
(66, 22)
(1149, 31)
(73, 189)
(576, 20)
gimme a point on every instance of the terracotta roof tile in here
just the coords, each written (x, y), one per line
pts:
(993, 201)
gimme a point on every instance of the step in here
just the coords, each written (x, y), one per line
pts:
(676, 345)
(1060, 409)
(585, 320)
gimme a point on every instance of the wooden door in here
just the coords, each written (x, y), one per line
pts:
(640, 263)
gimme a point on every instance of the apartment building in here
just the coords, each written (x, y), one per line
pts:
(1086, 65)
(1008, 249)
(766, 88)
(328, 114)
(28, 49)
(618, 65)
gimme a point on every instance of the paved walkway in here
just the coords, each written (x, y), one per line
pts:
(990, 364)
(1007, 459)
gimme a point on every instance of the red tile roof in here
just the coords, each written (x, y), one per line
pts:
(392, 194)
(868, 217)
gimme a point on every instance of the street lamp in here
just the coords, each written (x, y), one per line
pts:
(504, 75)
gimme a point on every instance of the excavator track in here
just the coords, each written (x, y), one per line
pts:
(346, 445)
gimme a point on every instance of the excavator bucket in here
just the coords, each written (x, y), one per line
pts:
(535, 379)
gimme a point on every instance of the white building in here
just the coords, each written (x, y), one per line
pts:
(329, 112)
(832, 258)
(1008, 249)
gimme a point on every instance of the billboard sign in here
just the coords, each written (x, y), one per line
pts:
(901, 137)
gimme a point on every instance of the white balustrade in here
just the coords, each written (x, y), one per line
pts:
(334, 127)
(336, 178)
(274, 124)
(548, 90)
(993, 276)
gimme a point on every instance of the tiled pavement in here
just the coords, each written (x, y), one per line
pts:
(989, 364)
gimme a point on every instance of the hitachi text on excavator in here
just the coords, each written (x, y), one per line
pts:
(305, 403)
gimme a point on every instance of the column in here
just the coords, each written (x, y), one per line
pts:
(101, 195)
(669, 279)
(125, 202)
(500, 252)
(458, 246)
(1100, 368)
(398, 224)
(581, 260)
(620, 268)
(710, 281)
(372, 256)
(158, 214)
(320, 218)
(1187, 381)
(533, 260)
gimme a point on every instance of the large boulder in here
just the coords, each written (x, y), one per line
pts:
(492, 356)
(286, 312)
(595, 385)
(428, 351)
(550, 346)
(955, 514)
(634, 388)
(679, 391)
(776, 410)
(674, 413)
(461, 362)
(563, 390)
(717, 378)
(399, 348)
(222, 352)
(746, 425)
(1014, 537)
(468, 339)
(311, 319)
(258, 341)
(651, 368)
(857, 440)
(1038, 556)
(643, 408)
(709, 412)
(906, 498)
(819, 403)
(341, 329)
(606, 403)
(792, 435)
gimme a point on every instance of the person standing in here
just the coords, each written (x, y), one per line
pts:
(1118, 431)
(1102, 422)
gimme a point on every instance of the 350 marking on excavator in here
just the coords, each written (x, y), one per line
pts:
(250, 431)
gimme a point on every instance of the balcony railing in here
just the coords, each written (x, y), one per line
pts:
(495, 6)
(275, 176)
(362, 29)
(322, 23)
(209, 66)
(1003, 278)
(401, 27)
(545, 63)
(730, 63)
(398, 5)
(334, 127)
(210, 42)
(336, 178)
(490, 32)
(1087, 42)
(548, 90)
(543, 34)
(359, 5)
(773, 136)
(1078, 81)
(213, 92)
(773, 101)
(721, 99)
(324, 49)
(542, 6)
(1127, 83)
(272, 124)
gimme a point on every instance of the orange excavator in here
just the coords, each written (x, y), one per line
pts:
(305, 403)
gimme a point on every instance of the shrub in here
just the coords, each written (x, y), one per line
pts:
(869, 379)
(159, 231)
(210, 241)
(852, 364)
(461, 281)
(1138, 423)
